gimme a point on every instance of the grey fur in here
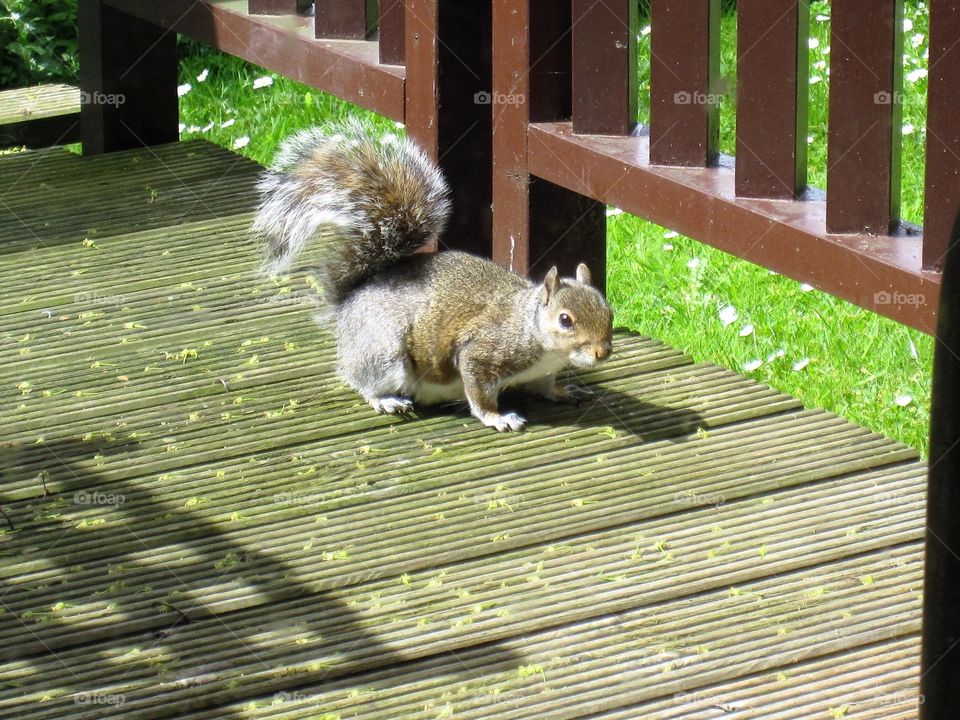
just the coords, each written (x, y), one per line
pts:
(344, 204)
(425, 328)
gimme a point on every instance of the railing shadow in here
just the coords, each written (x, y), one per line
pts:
(171, 630)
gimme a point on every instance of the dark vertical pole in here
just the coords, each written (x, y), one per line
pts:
(449, 108)
(536, 224)
(345, 19)
(129, 87)
(392, 36)
(772, 93)
(604, 66)
(943, 133)
(863, 151)
(940, 662)
(684, 69)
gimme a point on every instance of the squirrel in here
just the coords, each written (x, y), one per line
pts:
(421, 328)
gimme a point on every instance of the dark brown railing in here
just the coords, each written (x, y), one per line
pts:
(530, 106)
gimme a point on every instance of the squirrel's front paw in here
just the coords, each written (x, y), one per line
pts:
(503, 423)
(392, 405)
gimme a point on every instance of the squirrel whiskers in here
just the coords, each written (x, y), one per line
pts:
(425, 328)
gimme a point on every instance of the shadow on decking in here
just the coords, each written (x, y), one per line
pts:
(170, 625)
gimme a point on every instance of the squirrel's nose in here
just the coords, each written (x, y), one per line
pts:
(603, 352)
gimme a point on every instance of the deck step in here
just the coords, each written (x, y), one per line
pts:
(40, 116)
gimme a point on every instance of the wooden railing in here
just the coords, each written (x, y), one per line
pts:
(530, 106)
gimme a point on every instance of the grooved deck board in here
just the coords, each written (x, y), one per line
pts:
(201, 521)
(40, 115)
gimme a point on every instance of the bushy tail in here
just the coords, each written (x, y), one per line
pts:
(345, 204)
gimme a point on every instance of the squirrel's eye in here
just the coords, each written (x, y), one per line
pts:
(566, 322)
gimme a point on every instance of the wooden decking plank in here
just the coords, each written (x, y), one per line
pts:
(478, 601)
(50, 100)
(40, 115)
(255, 412)
(877, 682)
(588, 666)
(128, 191)
(429, 528)
(250, 395)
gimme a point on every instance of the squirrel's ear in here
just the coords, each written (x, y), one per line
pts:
(583, 275)
(551, 283)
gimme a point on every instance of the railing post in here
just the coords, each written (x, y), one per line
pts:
(942, 197)
(128, 80)
(604, 66)
(448, 110)
(772, 96)
(345, 19)
(940, 657)
(863, 151)
(392, 35)
(940, 662)
(684, 70)
(535, 223)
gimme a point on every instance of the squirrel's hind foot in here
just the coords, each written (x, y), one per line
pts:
(392, 405)
(573, 395)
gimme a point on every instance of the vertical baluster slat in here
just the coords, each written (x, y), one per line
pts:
(275, 7)
(535, 223)
(684, 68)
(772, 92)
(604, 66)
(346, 19)
(942, 206)
(863, 151)
(392, 33)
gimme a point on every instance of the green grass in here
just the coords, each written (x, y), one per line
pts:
(825, 351)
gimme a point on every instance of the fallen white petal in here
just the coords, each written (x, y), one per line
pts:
(913, 350)
(728, 314)
(907, 24)
(813, 43)
(203, 76)
(915, 75)
(746, 330)
(903, 400)
(183, 89)
(815, 79)
(806, 287)
(670, 234)
(261, 82)
(752, 365)
(612, 211)
(241, 142)
(801, 364)
(907, 129)
(667, 247)
(228, 123)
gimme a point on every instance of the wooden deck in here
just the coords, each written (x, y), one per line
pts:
(201, 521)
